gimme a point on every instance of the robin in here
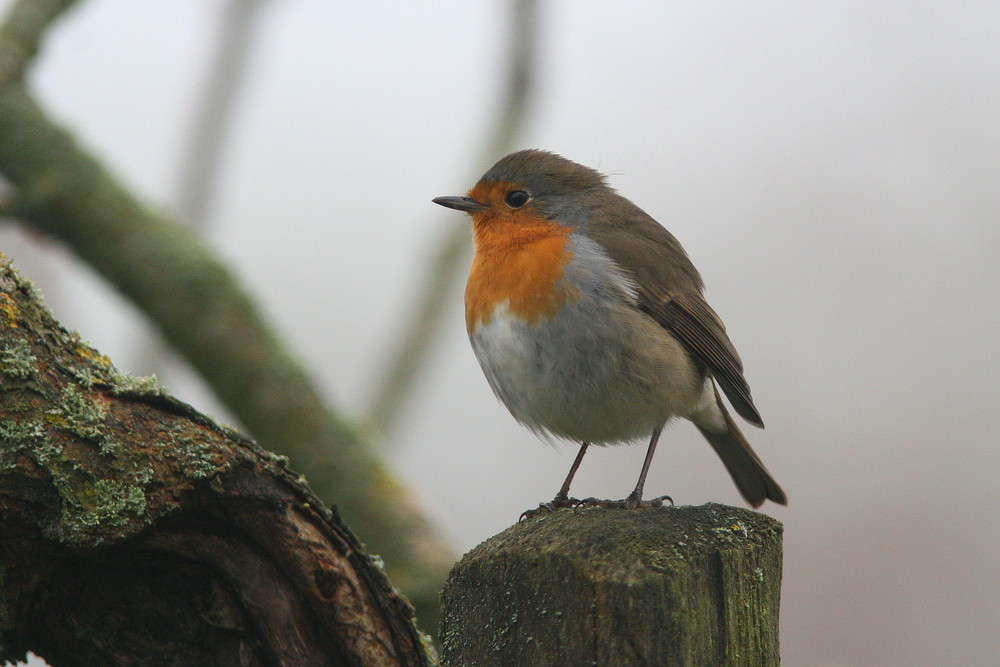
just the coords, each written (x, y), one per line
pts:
(589, 322)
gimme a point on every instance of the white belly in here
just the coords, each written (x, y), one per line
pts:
(613, 376)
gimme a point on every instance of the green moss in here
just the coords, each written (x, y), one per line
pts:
(113, 499)
(125, 383)
(89, 505)
(120, 382)
(200, 460)
(17, 361)
(85, 376)
(103, 502)
(100, 503)
(95, 493)
(78, 414)
(47, 452)
(16, 435)
(101, 372)
(109, 446)
(102, 484)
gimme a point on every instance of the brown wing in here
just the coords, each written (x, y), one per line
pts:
(670, 291)
(702, 332)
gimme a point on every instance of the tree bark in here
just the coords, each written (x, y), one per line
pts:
(660, 586)
(136, 531)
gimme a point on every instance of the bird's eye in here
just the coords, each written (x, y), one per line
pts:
(516, 198)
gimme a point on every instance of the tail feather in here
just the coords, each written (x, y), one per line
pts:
(745, 467)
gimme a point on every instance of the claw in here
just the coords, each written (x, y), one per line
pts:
(626, 503)
(558, 502)
(530, 514)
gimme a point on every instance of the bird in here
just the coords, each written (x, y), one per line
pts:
(590, 322)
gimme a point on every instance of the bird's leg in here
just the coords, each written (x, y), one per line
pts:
(562, 498)
(635, 498)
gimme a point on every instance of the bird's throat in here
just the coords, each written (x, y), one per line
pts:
(519, 261)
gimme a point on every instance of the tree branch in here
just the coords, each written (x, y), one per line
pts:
(22, 31)
(198, 175)
(198, 172)
(134, 529)
(201, 309)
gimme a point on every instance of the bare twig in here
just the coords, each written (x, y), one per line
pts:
(409, 354)
(198, 175)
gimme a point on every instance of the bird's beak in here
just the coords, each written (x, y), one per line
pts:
(467, 204)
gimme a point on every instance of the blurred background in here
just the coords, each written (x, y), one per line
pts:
(833, 169)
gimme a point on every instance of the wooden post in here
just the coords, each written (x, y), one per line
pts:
(661, 586)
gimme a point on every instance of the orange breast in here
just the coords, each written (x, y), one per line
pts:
(519, 259)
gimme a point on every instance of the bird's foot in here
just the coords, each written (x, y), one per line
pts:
(632, 502)
(559, 502)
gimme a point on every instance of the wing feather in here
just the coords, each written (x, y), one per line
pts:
(670, 291)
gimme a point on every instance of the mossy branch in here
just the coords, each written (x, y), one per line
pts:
(134, 529)
(204, 313)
